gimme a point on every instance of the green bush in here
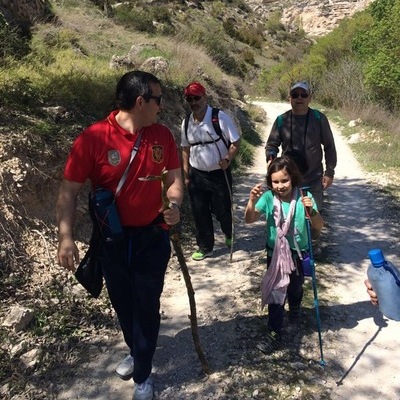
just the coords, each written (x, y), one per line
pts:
(251, 36)
(12, 44)
(217, 49)
(378, 46)
(19, 93)
(248, 56)
(273, 24)
(134, 18)
(343, 85)
(230, 28)
(269, 79)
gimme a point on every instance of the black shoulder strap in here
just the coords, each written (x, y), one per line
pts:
(217, 127)
(186, 125)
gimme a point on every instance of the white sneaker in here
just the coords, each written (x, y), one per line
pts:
(125, 368)
(144, 391)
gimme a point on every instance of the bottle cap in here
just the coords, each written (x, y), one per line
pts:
(376, 257)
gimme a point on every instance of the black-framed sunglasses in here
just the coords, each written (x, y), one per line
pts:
(158, 99)
(190, 99)
(296, 95)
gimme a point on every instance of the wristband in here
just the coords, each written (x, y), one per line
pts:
(227, 160)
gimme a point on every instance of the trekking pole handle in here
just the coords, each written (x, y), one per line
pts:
(305, 208)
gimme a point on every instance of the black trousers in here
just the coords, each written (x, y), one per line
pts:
(209, 194)
(294, 297)
(134, 271)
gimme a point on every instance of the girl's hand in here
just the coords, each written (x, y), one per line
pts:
(256, 192)
(307, 202)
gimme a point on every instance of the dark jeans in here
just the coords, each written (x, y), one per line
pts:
(134, 270)
(209, 194)
(294, 297)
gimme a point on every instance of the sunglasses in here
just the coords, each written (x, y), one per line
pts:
(189, 99)
(296, 95)
(158, 99)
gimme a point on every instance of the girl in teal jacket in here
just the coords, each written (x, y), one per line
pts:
(284, 206)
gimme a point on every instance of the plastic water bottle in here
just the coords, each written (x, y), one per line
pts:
(385, 280)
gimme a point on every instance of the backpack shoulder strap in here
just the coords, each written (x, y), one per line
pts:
(317, 114)
(217, 127)
(186, 124)
(279, 120)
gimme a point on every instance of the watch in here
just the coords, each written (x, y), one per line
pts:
(227, 160)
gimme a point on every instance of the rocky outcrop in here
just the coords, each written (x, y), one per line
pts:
(315, 17)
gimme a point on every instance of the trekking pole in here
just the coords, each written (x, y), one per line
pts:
(314, 281)
(174, 236)
(231, 199)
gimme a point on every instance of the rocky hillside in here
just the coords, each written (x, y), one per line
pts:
(320, 17)
(315, 17)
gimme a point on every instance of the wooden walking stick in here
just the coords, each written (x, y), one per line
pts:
(174, 236)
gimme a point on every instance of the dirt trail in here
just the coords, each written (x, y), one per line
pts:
(360, 347)
(358, 220)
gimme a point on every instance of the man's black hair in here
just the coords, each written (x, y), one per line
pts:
(132, 85)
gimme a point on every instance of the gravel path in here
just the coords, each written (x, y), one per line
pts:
(360, 346)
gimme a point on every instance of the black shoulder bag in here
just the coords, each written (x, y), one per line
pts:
(89, 272)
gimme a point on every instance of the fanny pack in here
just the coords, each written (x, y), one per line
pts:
(105, 207)
(106, 215)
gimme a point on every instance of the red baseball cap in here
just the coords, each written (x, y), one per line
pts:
(194, 89)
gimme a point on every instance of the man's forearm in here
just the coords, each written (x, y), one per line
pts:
(233, 150)
(185, 161)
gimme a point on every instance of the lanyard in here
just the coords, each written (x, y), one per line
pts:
(133, 154)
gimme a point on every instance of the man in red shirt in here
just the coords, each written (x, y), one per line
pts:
(133, 267)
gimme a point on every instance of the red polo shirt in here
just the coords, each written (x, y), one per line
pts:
(101, 154)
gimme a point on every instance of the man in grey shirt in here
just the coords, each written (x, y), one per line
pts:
(305, 135)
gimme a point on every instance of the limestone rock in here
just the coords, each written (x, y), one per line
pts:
(18, 318)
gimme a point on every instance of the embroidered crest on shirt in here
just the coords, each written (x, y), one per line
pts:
(114, 158)
(157, 154)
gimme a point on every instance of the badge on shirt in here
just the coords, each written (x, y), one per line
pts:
(157, 154)
(114, 158)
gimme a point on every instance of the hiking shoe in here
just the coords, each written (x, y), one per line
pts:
(201, 255)
(271, 343)
(144, 391)
(228, 242)
(125, 368)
